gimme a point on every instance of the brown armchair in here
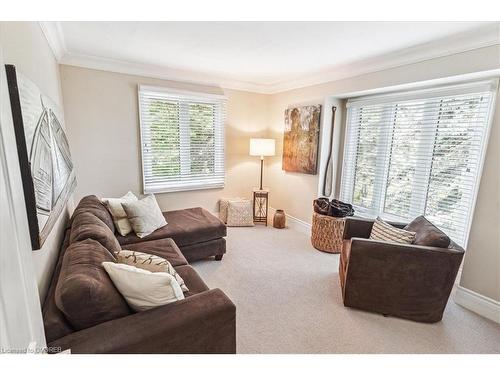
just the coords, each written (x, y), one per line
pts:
(406, 281)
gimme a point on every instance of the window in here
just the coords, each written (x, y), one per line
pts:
(182, 140)
(418, 153)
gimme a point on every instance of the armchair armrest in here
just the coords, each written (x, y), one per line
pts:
(366, 244)
(203, 323)
(357, 227)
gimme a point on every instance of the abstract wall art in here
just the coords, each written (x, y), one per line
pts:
(301, 139)
(44, 158)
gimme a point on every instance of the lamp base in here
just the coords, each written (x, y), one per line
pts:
(261, 168)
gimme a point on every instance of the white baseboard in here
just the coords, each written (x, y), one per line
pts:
(484, 306)
(292, 222)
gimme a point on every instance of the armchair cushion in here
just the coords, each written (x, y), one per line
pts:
(427, 234)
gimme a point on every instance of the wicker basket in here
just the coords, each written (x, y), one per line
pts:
(327, 232)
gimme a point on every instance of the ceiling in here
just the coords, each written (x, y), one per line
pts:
(260, 56)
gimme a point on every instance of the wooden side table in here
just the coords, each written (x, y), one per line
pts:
(260, 205)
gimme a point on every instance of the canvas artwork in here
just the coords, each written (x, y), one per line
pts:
(44, 156)
(301, 139)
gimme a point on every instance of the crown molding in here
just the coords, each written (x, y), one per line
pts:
(155, 71)
(55, 37)
(463, 42)
(459, 43)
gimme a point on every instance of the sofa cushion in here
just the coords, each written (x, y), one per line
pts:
(185, 227)
(193, 281)
(93, 205)
(85, 293)
(86, 225)
(164, 247)
(427, 234)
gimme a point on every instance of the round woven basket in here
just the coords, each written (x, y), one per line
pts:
(327, 232)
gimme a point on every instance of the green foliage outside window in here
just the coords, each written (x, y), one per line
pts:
(165, 140)
(166, 149)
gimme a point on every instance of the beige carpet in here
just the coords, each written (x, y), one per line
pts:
(288, 300)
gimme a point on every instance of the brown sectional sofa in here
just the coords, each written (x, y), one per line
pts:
(407, 281)
(84, 312)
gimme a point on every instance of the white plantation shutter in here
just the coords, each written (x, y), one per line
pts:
(418, 153)
(182, 139)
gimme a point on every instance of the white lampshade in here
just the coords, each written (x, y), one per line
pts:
(262, 147)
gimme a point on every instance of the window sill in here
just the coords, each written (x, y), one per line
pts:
(187, 187)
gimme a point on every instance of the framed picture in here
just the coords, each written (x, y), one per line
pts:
(44, 158)
(301, 139)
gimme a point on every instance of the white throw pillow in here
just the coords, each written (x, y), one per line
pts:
(240, 214)
(144, 215)
(114, 206)
(149, 262)
(223, 206)
(382, 231)
(143, 289)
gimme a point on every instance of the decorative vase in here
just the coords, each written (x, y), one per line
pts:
(279, 220)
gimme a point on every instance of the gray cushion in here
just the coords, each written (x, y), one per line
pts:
(427, 234)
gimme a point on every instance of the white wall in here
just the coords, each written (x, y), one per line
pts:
(25, 46)
(20, 269)
(103, 130)
(481, 271)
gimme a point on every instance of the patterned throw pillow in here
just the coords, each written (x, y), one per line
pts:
(150, 262)
(114, 206)
(224, 205)
(144, 215)
(382, 231)
(240, 214)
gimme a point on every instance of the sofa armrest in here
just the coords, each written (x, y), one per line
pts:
(203, 323)
(362, 227)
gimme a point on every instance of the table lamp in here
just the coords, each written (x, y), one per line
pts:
(262, 147)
